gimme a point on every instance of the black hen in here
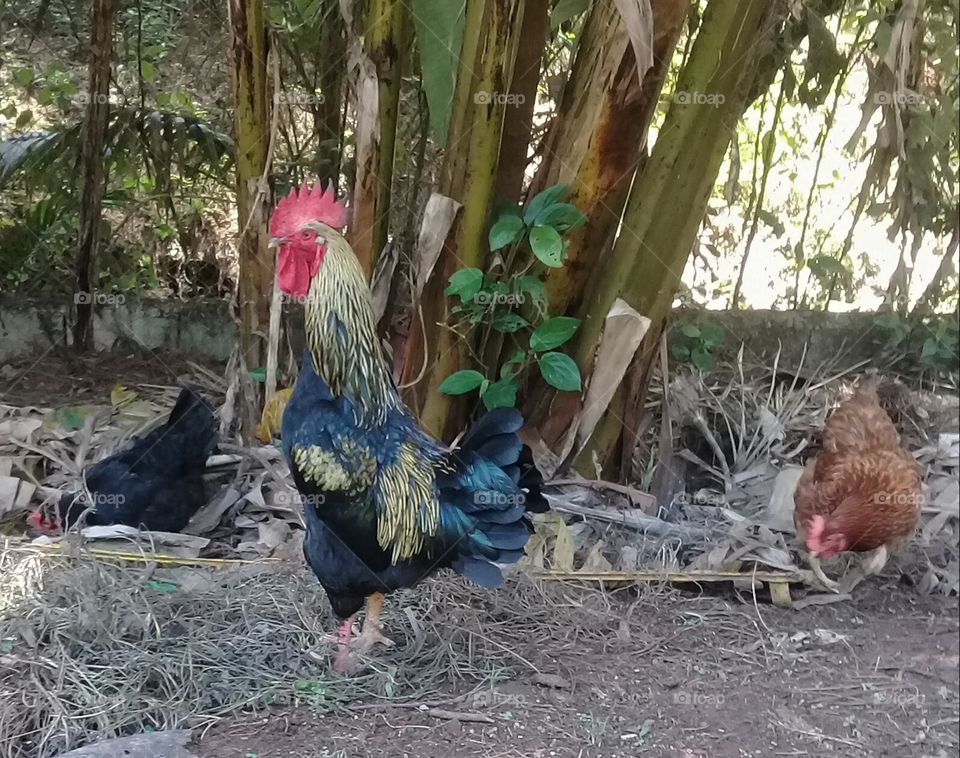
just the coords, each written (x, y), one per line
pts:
(155, 483)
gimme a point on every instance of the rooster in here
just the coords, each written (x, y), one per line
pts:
(155, 483)
(862, 492)
(385, 505)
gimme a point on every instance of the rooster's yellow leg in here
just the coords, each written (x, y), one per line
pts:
(372, 632)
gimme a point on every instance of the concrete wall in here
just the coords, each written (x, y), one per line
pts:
(199, 328)
(206, 329)
(844, 337)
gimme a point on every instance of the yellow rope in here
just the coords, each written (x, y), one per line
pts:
(153, 557)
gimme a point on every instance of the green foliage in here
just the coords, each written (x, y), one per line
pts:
(36, 241)
(144, 145)
(494, 305)
(565, 11)
(696, 343)
(439, 25)
(931, 344)
(553, 332)
(461, 382)
(560, 371)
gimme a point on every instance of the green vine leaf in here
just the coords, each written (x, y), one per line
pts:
(543, 200)
(547, 245)
(461, 382)
(466, 283)
(506, 231)
(553, 332)
(560, 371)
(531, 285)
(561, 216)
(508, 323)
(501, 394)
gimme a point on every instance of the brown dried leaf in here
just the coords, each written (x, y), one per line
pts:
(638, 20)
(438, 217)
(563, 548)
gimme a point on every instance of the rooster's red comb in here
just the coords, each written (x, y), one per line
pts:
(305, 205)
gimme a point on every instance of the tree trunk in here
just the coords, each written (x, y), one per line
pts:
(518, 119)
(93, 178)
(595, 145)
(378, 98)
(252, 130)
(669, 196)
(468, 174)
(600, 136)
(328, 115)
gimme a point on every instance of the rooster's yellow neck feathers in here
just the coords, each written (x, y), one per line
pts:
(342, 331)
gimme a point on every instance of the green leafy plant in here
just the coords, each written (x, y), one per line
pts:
(932, 345)
(512, 310)
(939, 349)
(696, 343)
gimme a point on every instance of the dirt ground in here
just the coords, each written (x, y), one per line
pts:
(61, 377)
(876, 677)
(660, 672)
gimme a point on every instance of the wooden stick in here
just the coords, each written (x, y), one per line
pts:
(476, 718)
(643, 499)
(680, 577)
(634, 519)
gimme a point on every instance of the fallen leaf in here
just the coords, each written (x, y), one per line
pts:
(563, 548)
(595, 560)
(208, 517)
(273, 533)
(15, 494)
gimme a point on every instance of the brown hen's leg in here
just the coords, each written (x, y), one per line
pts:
(871, 564)
(372, 632)
(874, 563)
(818, 572)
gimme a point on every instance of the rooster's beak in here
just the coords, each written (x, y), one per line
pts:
(275, 242)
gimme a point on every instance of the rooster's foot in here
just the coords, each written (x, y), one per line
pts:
(344, 663)
(371, 636)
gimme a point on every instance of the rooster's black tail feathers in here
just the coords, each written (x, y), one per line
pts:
(494, 437)
(486, 501)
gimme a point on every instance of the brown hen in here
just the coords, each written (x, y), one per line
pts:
(862, 492)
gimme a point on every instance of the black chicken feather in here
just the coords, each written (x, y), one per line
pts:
(156, 482)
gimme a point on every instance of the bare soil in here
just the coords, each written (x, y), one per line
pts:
(61, 377)
(707, 676)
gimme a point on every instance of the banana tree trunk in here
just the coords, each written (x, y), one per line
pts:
(518, 119)
(251, 124)
(378, 98)
(328, 113)
(468, 176)
(92, 166)
(595, 144)
(669, 196)
(616, 121)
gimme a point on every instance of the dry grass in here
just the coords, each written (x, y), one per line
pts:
(93, 648)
